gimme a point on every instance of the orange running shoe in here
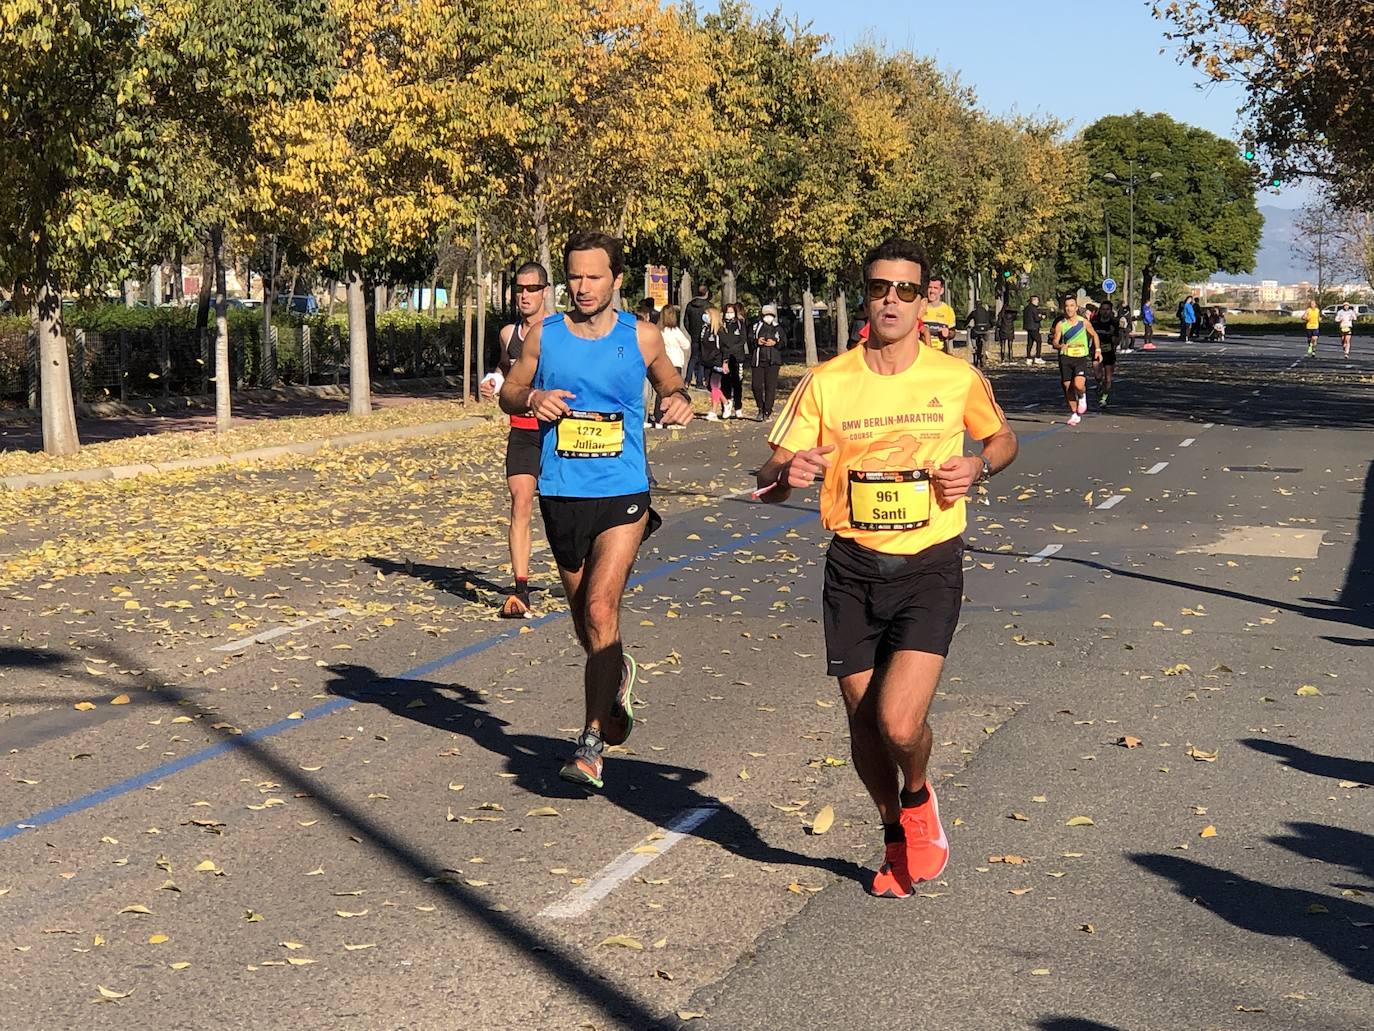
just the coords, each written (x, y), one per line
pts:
(583, 768)
(892, 880)
(927, 848)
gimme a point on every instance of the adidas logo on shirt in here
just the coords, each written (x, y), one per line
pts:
(934, 403)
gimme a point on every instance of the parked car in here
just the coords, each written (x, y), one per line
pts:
(249, 303)
(300, 304)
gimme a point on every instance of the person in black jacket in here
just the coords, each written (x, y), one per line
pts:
(979, 325)
(734, 341)
(1031, 318)
(693, 315)
(1006, 331)
(766, 359)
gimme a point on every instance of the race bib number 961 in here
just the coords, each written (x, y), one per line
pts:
(889, 499)
(591, 435)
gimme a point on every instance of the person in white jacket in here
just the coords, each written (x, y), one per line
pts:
(675, 341)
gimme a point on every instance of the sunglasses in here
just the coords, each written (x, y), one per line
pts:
(906, 290)
(531, 288)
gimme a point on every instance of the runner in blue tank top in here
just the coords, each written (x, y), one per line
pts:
(582, 375)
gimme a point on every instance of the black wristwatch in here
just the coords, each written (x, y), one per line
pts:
(680, 390)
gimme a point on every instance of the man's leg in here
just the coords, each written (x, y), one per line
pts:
(1080, 389)
(604, 576)
(521, 513)
(872, 761)
(1069, 397)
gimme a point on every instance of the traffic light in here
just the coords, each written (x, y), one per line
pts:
(1276, 182)
(1249, 153)
(1006, 273)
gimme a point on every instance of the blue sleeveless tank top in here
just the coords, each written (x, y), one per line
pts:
(598, 450)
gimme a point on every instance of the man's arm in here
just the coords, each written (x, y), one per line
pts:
(505, 363)
(957, 475)
(1097, 343)
(785, 470)
(1054, 337)
(517, 395)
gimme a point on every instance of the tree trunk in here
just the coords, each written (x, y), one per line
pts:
(453, 291)
(467, 343)
(482, 282)
(130, 293)
(329, 312)
(1147, 285)
(222, 372)
(841, 322)
(433, 298)
(267, 375)
(55, 380)
(727, 287)
(684, 293)
(809, 326)
(178, 283)
(207, 269)
(370, 301)
(359, 374)
(155, 284)
(541, 228)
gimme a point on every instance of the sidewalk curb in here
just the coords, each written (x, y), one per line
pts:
(29, 481)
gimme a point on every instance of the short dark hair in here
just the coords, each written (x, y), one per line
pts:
(646, 304)
(702, 291)
(897, 249)
(592, 241)
(533, 266)
(935, 279)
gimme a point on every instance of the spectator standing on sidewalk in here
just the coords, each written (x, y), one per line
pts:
(692, 318)
(676, 344)
(1187, 319)
(712, 356)
(1031, 319)
(1006, 331)
(767, 360)
(734, 342)
(1147, 318)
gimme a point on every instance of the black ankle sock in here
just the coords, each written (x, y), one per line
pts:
(591, 739)
(914, 798)
(892, 832)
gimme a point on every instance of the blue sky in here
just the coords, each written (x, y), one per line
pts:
(1014, 56)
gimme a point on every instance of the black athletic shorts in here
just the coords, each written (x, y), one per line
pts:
(1109, 356)
(878, 604)
(573, 524)
(522, 453)
(1071, 367)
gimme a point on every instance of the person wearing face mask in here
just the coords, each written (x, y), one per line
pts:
(767, 360)
(733, 343)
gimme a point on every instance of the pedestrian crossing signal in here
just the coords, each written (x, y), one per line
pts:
(1249, 153)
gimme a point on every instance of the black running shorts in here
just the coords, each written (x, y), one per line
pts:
(522, 453)
(572, 525)
(1109, 356)
(1069, 368)
(878, 604)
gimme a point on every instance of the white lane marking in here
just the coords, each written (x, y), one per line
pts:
(1033, 404)
(281, 631)
(580, 900)
(1112, 501)
(1045, 552)
(1158, 467)
(1189, 442)
(1209, 425)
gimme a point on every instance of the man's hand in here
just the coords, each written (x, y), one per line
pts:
(676, 410)
(954, 478)
(806, 467)
(549, 405)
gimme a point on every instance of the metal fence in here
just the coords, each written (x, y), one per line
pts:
(132, 364)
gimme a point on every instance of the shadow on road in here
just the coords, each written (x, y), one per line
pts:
(1336, 846)
(1297, 758)
(1324, 922)
(649, 790)
(1072, 1024)
(455, 581)
(29, 658)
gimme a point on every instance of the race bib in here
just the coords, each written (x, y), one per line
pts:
(889, 499)
(591, 435)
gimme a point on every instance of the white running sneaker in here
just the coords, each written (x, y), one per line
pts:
(1083, 405)
(729, 412)
(1075, 419)
(1039, 361)
(1029, 362)
(712, 417)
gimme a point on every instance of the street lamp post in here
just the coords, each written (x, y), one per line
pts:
(1131, 183)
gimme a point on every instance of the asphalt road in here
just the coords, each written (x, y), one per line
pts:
(357, 823)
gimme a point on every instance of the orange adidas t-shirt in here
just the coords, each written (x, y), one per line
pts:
(889, 432)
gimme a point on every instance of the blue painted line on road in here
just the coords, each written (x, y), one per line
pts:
(157, 773)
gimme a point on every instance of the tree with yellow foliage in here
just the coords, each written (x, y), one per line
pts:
(373, 171)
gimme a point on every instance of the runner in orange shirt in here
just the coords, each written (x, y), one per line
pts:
(882, 428)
